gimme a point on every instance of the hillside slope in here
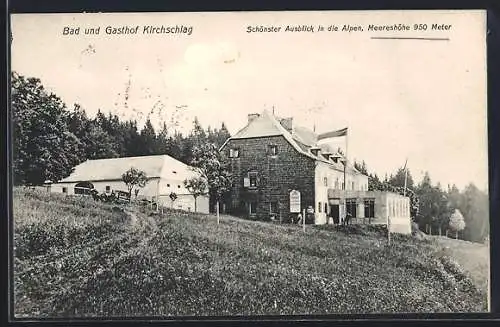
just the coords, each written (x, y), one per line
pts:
(76, 257)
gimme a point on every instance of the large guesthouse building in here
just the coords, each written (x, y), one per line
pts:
(272, 160)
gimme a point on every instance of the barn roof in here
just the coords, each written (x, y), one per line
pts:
(301, 138)
(112, 169)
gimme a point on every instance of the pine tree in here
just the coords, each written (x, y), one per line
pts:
(131, 138)
(222, 135)
(163, 145)
(398, 179)
(148, 139)
(98, 143)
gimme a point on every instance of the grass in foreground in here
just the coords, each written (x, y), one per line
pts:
(76, 257)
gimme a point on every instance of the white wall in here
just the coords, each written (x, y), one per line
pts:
(168, 186)
(321, 191)
(148, 190)
(186, 202)
(398, 212)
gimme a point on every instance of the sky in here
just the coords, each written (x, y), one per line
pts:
(402, 99)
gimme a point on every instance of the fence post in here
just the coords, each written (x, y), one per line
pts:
(389, 229)
(304, 220)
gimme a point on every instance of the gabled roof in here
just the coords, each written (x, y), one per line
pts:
(260, 127)
(112, 169)
(301, 138)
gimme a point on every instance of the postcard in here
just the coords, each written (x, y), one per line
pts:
(236, 164)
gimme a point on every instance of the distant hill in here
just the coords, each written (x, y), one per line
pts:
(77, 257)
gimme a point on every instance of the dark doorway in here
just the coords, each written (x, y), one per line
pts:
(84, 188)
(334, 213)
(351, 207)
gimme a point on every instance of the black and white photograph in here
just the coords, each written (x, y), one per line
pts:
(234, 164)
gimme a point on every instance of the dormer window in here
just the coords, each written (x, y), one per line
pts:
(234, 153)
(273, 150)
(315, 150)
(335, 157)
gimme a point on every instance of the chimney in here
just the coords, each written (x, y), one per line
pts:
(251, 117)
(287, 123)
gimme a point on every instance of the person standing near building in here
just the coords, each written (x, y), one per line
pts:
(299, 219)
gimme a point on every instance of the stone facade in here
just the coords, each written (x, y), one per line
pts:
(270, 157)
(275, 176)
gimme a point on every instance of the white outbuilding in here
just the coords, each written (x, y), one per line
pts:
(165, 175)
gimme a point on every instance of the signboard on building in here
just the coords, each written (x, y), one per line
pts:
(294, 201)
(246, 182)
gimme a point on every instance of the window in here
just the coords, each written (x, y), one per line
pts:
(252, 177)
(337, 183)
(343, 185)
(178, 186)
(352, 186)
(65, 190)
(234, 153)
(252, 208)
(351, 207)
(108, 188)
(273, 150)
(326, 207)
(370, 208)
(168, 185)
(273, 207)
(319, 206)
(325, 181)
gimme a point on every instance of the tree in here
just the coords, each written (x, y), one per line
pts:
(131, 139)
(148, 139)
(79, 125)
(428, 203)
(212, 166)
(44, 148)
(134, 178)
(457, 222)
(218, 136)
(98, 143)
(196, 186)
(474, 206)
(163, 140)
(198, 133)
(399, 178)
(361, 167)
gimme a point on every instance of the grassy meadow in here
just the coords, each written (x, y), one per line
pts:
(77, 257)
